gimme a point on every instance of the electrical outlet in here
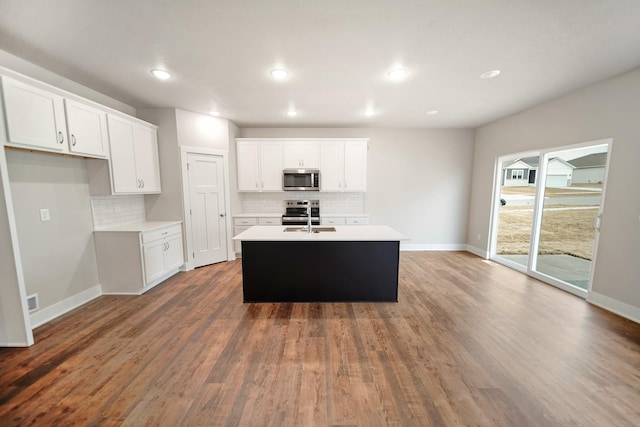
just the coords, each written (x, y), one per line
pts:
(44, 215)
(478, 236)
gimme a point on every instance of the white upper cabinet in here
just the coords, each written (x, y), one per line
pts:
(43, 120)
(35, 117)
(343, 165)
(134, 157)
(301, 154)
(355, 166)
(259, 165)
(342, 162)
(87, 129)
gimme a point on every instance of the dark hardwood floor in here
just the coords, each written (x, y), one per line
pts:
(469, 343)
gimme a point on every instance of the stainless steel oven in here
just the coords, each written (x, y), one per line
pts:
(295, 212)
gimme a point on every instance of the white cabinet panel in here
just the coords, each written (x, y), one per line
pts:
(87, 129)
(134, 157)
(331, 165)
(271, 166)
(131, 262)
(355, 166)
(146, 159)
(300, 154)
(123, 159)
(259, 166)
(343, 165)
(153, 261)
(34, 117)
(248, 166)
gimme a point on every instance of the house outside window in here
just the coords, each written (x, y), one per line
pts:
(517, 174)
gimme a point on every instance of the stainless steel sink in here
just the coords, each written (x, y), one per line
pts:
(305, 230)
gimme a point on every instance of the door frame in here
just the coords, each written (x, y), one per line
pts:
(186, 202)
(529, 269)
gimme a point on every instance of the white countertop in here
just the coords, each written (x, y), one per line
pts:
(342, 233)
(140, 226)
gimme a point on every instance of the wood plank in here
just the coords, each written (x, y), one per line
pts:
(469, 342)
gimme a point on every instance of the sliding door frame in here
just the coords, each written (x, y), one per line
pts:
(541, 181)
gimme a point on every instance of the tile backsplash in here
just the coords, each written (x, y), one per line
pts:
(109, 211)
(329, 202)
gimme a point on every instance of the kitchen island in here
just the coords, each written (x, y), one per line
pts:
(352, 263)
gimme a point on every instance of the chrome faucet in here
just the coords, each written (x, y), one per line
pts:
(309, 218)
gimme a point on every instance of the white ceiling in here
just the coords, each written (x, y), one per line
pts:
(338, 52)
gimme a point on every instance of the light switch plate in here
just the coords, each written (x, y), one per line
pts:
(44, 215)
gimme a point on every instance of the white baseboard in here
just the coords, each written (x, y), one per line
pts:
(620, 308)
(47, 314)
(477, 251)
(432, 247)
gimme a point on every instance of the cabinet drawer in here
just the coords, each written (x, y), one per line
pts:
(357, 221)
(269, 221)
(245, 221)
(332, 221)
(152, 236)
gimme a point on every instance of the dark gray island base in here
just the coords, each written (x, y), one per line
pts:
(320, 271)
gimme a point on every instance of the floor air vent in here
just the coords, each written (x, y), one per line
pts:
(32, 302)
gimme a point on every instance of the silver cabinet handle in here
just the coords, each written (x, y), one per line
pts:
(73, 140)
(60, 137)
(142, 181)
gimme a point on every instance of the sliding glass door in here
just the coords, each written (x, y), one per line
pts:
(547, 213)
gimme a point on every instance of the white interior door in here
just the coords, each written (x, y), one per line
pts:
(207, 198)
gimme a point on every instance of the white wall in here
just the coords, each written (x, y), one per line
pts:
(418, 180)
(609, 109)
(58, 256)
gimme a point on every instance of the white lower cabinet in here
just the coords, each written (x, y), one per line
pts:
(358, 220)
(132, 259)
(241, 224)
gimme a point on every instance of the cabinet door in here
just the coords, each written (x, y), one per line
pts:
(300, 154)
(248, 166)
(309, 153)
(173, 255)
(271, 166)
(291, 155)
(331, 165)
(35, 117)
(154, 260)
(146, 159)
(87, 129)
(355, 166)
(122, 163)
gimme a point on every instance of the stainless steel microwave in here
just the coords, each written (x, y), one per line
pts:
(301, 180)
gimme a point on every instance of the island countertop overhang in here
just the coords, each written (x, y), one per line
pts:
(362, 233)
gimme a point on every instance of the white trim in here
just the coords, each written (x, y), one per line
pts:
(620, 308)
(477, 251)
(433, 247)
(186, 204)
(20, 325)
(40, 317)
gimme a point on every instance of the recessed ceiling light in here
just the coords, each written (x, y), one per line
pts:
(369, 113)
(279, 74)
(161, 74)
(397, 74)
(490, 74)
(292, 113)
(214, 113)
(432, 112)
